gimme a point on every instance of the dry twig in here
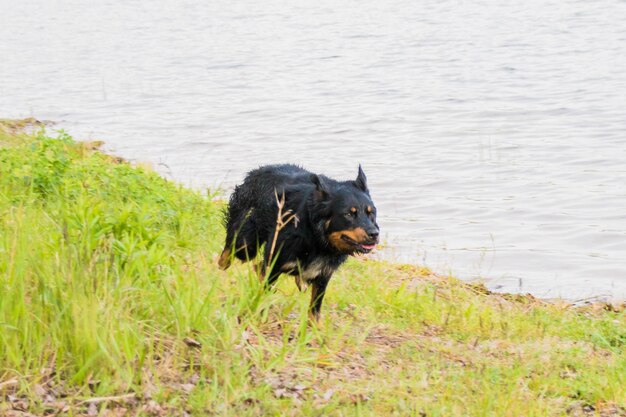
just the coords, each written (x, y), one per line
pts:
(282, 220)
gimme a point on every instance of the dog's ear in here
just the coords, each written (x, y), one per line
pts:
(361, 180)
(321, 188)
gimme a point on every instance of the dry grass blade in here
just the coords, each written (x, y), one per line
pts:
(8, 384)
(193, 343)
(114, 398)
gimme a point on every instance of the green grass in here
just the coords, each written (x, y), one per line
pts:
(109, 288)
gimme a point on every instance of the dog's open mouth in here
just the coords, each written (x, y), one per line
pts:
(361, 247)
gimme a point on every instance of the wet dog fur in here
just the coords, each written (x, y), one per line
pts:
(323, 221)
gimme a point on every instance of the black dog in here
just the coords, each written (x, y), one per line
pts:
(308, 223)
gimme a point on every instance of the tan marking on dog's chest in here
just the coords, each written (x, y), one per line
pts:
(289, 267)
(304, 276)
(314, 269)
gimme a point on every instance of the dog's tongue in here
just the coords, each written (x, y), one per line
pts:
(368, 247)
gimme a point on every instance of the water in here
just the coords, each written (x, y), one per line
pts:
(493, 133)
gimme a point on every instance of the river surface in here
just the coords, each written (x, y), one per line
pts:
(493, 133)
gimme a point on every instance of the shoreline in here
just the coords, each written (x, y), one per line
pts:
(30, 124)
(111, 303)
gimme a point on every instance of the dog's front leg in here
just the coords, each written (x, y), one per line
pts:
(318, 290)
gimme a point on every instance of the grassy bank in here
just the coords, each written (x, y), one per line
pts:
(111, 303)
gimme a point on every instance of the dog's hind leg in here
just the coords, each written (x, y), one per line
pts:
(241, 242)
(267, 275)
(225, 258)
(247, 241)
(270, 267)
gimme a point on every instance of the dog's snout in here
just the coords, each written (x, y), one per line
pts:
(373, 234)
